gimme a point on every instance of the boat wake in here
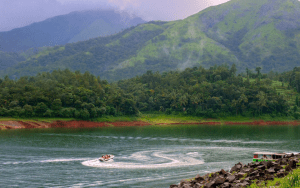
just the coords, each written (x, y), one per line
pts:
(148, 160)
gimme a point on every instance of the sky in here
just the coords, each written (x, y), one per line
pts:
(19, 13)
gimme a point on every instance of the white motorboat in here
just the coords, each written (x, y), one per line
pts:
(105, 158)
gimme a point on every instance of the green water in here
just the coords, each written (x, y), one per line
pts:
(144, 156)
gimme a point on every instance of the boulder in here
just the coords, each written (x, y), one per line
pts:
(236, 167)
(230, 178)
(238, 185)
(244, 184)
(244, 174)
(290, 155)
(236, 181)
(270, 177)
(277, 167)
(262, 167)
(223, 172)
(265, 163)
(280, 174)
(219, 180)
(199, 178)
(241, 175)
(284, 161)
(198, 185)
(247, 170)
(225, 185)
(261, 174)
(288, 168)
(183, 182)
(270, 171)
(247, 179)
(210, 185)
(186, 186)
(254, 173)
(293, 163)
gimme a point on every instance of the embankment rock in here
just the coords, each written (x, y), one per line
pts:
(242, 175)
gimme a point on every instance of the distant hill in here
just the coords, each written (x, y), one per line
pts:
(60, 30)
(254, 33)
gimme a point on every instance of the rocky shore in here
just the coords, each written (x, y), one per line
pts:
(242, 175)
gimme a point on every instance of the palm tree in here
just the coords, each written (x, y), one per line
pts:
(183, 100)
(262, 100)
(242, 100)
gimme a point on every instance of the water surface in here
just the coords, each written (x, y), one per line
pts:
(144, 156)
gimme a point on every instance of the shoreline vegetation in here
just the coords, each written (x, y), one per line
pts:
(142, 120)
(214, 93)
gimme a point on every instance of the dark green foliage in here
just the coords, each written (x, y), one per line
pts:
(63, 94)
(211, 93)
(208, 93)
(9, 59)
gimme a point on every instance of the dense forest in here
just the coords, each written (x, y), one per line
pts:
(212, 93)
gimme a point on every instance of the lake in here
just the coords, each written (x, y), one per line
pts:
(144, 156)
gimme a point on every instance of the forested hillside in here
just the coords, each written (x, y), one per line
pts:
(99, 56)
(250, 34)
(212, 93)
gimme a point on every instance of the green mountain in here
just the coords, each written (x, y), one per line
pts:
(254, 33)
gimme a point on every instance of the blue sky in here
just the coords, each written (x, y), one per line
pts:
(19, 13)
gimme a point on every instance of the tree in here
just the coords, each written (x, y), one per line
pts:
(28, 110)
(40, 109)
(234, 104)
(242, 100)
(84, 114)
(258, 71)
(48, 113)
(262, 101)
(56, 105)
(233, 70)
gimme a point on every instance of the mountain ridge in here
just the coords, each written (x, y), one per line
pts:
(250, 34)
(63, 29)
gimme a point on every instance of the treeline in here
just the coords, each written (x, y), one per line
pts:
(63, 94)
(292, 78)
(212, 93)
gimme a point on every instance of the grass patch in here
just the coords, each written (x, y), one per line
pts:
(115, 119)
(290, 181)
(36, 119)
(158, 118)
(155, 118)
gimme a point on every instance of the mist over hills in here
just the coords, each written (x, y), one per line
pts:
(254, 33)
(60, 30)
